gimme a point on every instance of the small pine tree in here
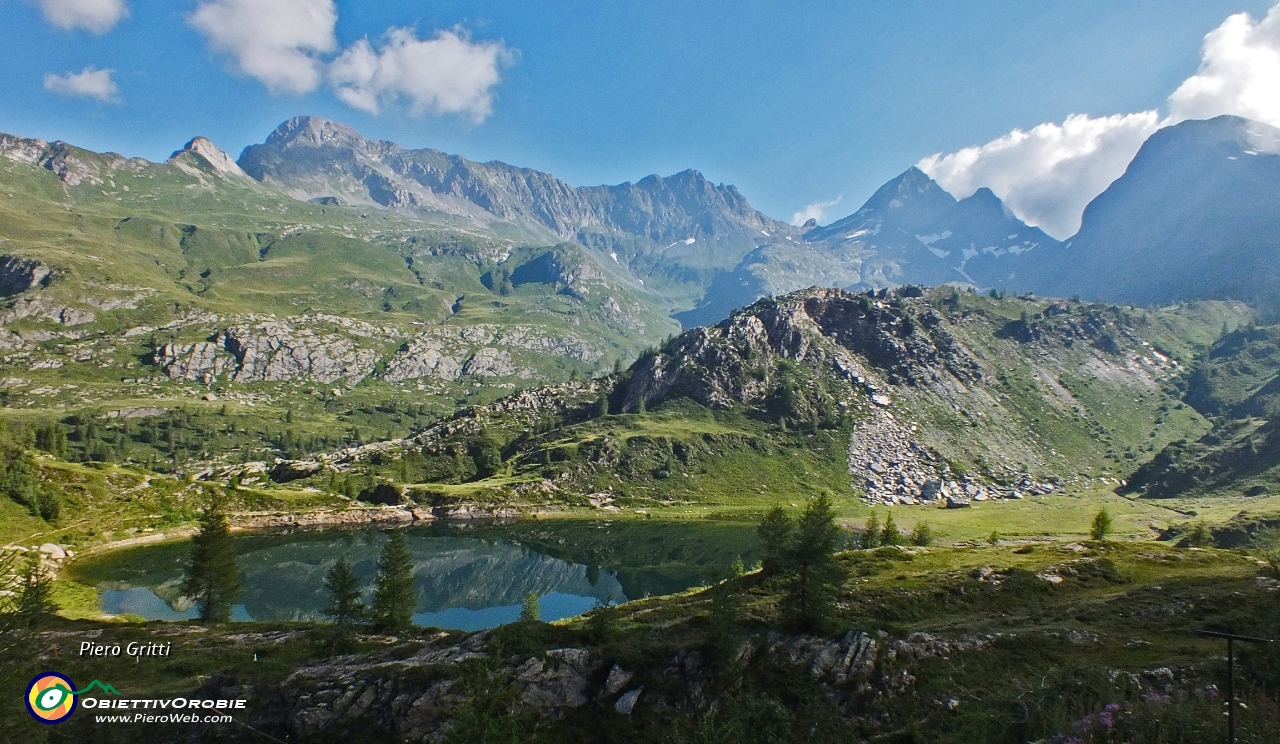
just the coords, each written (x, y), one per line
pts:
(212, 577)
(35, 598)
(737, 569)
(1101, 525)
(814, 571)
(394, 597)
(922, 535)
(1273, 560)
(530, 610)
(602, 405)
(775, 532)
(1200, 535)
(993, 538)
(889, 534)
(871, 533)
(345, 607)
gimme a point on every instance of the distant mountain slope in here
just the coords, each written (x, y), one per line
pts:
(910, 231)
(1194, 216)
(671, 232)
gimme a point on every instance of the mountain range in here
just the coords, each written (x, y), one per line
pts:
(1189, 219)
(321, 257)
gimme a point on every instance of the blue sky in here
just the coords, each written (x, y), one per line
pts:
(795, 106)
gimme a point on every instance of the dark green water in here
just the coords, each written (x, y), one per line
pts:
(468, 576)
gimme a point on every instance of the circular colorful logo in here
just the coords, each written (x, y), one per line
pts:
(50, 698)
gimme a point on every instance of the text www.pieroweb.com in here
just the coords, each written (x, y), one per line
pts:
(163, 718)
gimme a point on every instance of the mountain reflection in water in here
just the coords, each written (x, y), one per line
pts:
(467, 579)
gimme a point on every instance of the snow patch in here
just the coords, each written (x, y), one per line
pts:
(931, 239)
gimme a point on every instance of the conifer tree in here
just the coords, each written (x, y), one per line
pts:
(871, 533)
(775, 532)
(345, 607)
(394, 597)
(889, 534)
(815, 574)
(922, 534)
(35, 598)
(1101, 525)
(213, 578)
(530, 611)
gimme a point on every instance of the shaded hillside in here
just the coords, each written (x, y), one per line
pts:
(1193, 217)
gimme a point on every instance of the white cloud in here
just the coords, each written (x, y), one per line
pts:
(98, 16)
(1048, 175)
(275, 41)
(88, 83)
(1239, 73)
(446, 74)
(816, 211)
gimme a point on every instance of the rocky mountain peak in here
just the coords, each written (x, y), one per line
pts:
(913, 190)
(208, 155)
(911, 201)
(857, 338)
(313, 131)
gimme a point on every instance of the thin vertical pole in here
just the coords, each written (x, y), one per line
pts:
(1231, 691)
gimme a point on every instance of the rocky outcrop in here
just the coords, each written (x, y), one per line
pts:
(480, 350)
(200, 155)
(198, 362)
(48, 309)
(270, 351)
(829, 330)
(413, 697)
(18, 275)
(273, 351)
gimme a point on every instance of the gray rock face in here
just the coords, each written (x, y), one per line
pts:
(18, 275)
(556, 683)
(70, 164)
(49, 309)
(414, 697)
(273, 351)
(736, 361)
(480, 350)
(198, 362)
(270, 351)
(202, 155)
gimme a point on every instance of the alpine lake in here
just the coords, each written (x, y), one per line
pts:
(469, 576)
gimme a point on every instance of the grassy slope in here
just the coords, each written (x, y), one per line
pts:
(173, 244)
